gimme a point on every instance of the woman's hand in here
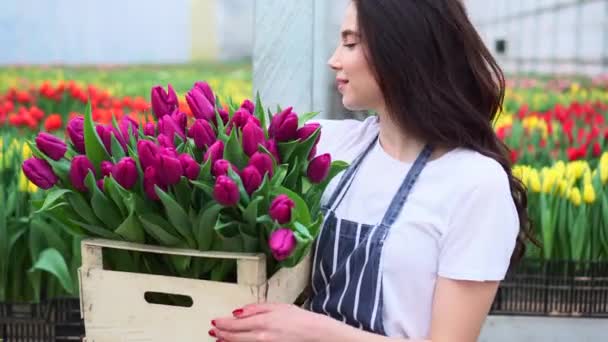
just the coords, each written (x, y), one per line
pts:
(270, 323)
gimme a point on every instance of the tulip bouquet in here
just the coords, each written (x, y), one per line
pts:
(222, 180)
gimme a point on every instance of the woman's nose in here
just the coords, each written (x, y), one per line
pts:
(333, 61)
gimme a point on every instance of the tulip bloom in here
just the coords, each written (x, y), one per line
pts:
(79, 169)
(280, 209)
(76, 133)
(318, 169)
(202, 133)
(282, 243)
(284, 126)
(39, 172)
(251, 179)
(163, 103)
(50, 145)
(253, 136)
(226, 191)
(262, 162)
(125, 172)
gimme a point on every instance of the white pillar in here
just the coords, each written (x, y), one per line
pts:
(292, 41)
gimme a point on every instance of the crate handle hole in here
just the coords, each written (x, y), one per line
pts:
(170, 299)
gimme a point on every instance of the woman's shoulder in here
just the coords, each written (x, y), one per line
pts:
(345, 139)
(471, 174)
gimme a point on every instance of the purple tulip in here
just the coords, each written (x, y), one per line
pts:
(220, 168)
(262, 162)
(150, 129)
(202, 133)
(253, 136)
(76, 133)
(125, 172)
(165, 141)
(163, 103)
(105, 134)
(40, 172)
(200, 105)
(50, 145)
(190, 168)
(305, 132)
(282, 243)
(106, 168)
(280, 209)
(151, 180)
(273, 148)
(239, 119)
(251, 179)
(249, 106)
(318, 168)
(169, 127)
(169, 169)
(100, 184)
(226, 191)
(128, 124)
(181, 119)
(79, 169)
(284, 126)
(148, 153)
(206, 89)
(215, 152)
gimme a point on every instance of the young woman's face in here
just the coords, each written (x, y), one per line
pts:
(354, 77)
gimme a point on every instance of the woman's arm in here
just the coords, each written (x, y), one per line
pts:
(459, 310)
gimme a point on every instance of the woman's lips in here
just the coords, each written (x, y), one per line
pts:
(341, 84)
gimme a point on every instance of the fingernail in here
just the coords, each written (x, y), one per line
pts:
(237, 312)
(211, 333)
(213, 323)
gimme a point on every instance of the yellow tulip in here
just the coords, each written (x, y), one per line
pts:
(549, 179)
(604, 168)
(575, 196)
(535, 184)
(588, 193)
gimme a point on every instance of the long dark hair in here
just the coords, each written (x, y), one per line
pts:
(439, 80)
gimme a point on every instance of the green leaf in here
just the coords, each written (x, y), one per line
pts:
(96, 230)
(52, 261)
(208, 189)
(117, 193)
(302, 150)
(205, 230)
(131, 229)
(52, 197)
(244, 196)
(177, 216)
(304, 118)
(302, 230)
(103, 208)
(95, 150)
(293, 174)
(82, 208)
(259, 113)
(279, 176)
(117, 151)
(251, 213)
(286, 150)
(160, 230)
(234, 151)
(183, 192)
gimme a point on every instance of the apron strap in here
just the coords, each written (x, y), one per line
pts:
(400, 197)
(347, 179)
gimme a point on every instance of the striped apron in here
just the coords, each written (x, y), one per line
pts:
(347, 263)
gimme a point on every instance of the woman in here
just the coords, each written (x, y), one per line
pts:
(423, 225)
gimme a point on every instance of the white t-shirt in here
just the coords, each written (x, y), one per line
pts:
(458, 222)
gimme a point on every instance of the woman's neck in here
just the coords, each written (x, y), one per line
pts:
(396, 143)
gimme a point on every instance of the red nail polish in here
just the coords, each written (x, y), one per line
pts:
(237, 312)
(211, 333)
(213, 323)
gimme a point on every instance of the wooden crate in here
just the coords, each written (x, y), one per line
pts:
(114, 308)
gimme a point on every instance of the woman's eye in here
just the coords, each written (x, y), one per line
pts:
(350, 46)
